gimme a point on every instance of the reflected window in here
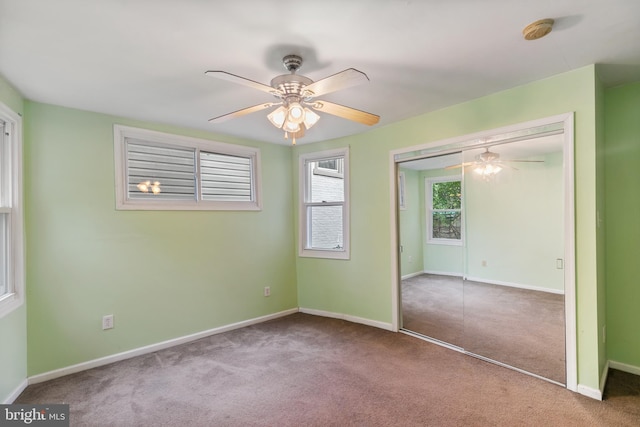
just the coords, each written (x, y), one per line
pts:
(444, 205)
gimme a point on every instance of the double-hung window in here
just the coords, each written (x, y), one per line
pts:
(444, 207)
(155, 170)
(324, 204)
(11, 221)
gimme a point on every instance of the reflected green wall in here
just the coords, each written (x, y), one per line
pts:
(622, 160)
(13, 327)
(514, 223)
(411, 225)
(362, 286)
(162, 274)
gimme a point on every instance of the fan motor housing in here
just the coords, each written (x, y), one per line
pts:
(290, 84)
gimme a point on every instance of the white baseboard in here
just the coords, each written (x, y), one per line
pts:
(443, 273)
(349, 318)
(152, 348)
(410, 275)
(589, 392)
(15, 393)
(611, 364)
(624, 367)
(516, 285)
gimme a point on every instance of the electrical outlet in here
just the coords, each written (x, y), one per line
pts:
(267, 291)
(410, 258)
(484, 263)
(107, 321)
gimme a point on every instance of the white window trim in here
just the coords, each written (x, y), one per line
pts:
(303, 182)
(120, 133)
(429, 208)
(15, 262)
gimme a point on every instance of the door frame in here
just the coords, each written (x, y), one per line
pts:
(478, 139)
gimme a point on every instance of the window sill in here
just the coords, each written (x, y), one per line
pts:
(327, 254)
(445, 242)
(9, 303)
(201, 206)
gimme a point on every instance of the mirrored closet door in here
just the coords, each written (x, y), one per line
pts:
(481, 234)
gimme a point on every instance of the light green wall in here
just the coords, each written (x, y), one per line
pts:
(162, 274)
(411, 225)
(600, 226)
(622, 160)
(362, 286)
(13, 327)
(514, 223)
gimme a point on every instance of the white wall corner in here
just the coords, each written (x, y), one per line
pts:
(589, 392)
(15, 393)
(348, 318)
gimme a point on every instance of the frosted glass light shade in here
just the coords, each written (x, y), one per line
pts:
(278, 116)
(310, 118)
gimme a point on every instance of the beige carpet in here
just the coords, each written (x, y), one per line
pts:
(304, 370)
(517, 327)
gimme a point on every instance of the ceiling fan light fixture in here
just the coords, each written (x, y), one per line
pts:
(296, 113)
(278, 116)
(296, 93)
(290, 126)
(487, 169)
(310, 118)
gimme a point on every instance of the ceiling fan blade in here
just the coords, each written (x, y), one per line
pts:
(223, 75)
(523, 161)
(345, 112)
(459, 165)
(243, 112)
(342, 80)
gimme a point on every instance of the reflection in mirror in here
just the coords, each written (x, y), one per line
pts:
(492, 215)
(432, 253)
(513, 292)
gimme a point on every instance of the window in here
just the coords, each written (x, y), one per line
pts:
(444, 201)
(324, 204)
(11, 221)
(160, 171)
(401, 191)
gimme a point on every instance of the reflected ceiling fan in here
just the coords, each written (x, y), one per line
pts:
(488, 163)
(297, 101)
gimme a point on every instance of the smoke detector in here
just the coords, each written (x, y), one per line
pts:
(538, 29)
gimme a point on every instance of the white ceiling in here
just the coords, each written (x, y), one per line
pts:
(145, 59)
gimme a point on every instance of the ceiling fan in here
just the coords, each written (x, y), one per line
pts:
(488, 163)
(296, 96)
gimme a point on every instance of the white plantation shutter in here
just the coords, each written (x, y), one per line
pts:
(172, 168)
(225, 177)
(160, 171)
